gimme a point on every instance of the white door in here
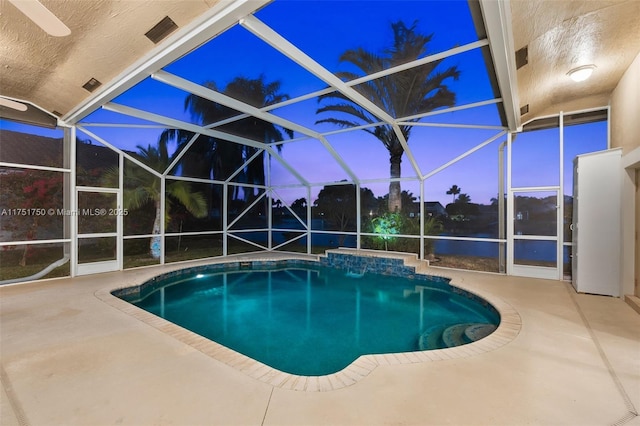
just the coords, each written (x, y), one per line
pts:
(99, 225)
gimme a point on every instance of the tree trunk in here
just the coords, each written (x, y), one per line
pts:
(154, 245)
(395, 199)
(31, 235)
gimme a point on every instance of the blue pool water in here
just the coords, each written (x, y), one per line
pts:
(315, 320)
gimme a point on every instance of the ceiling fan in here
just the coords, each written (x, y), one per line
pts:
(10, 103)
(42, 17)
(46, 20)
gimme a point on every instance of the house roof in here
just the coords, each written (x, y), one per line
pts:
(25, 148)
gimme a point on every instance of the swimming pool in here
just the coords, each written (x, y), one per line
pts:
(308, 319)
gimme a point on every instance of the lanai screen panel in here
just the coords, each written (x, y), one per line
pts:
(272, 71)
(267, 103)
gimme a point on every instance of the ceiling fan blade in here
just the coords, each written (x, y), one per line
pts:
(42, 16)
(13, 104)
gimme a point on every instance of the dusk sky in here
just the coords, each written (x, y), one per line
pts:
(324, 33)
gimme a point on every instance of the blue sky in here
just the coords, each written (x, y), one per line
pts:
(325, 29)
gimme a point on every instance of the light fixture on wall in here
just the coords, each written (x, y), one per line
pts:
(581, 73)
(42, 17)
(18, 106)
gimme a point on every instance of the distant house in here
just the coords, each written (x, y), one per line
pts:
(431, 209)
(434, 209)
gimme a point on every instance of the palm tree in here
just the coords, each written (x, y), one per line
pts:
(417, 90)
(464, 199)
(455, 190)
(216, 158)
(141, 187)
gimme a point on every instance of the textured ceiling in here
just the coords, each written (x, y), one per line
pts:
(108, 36)
(562, 35)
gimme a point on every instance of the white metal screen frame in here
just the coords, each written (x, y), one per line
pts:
(108, 265)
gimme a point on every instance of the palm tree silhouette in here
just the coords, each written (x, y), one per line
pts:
(403, 94)
(455, 190)
(214, 158)
(464, 199)
(141, 187)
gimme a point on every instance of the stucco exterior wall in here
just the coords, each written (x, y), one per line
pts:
(625, 110)
(625, 133)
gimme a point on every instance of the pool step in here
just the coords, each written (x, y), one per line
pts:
(432, 338)
(478, 331)
(454, 335)
(448, 336)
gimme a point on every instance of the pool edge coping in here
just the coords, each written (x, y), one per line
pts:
(508, 329)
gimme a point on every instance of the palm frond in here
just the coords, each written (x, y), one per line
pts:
(137, 197)
(349, 109)
(193, 201)
(409, 92)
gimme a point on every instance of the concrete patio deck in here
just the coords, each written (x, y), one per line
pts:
(69, 358)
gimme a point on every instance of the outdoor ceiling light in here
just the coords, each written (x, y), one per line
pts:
(581, 73)
(18, 106)
(42, 17)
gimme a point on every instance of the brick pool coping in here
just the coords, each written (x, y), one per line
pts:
(508, 329)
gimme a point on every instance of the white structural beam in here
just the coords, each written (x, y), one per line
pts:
(383, 73)
(338, 158)
(181, 154)
(239, 169)
(285, 47)
(119, 151)
(222, 99)
(246, 210)
(199, 180)
(497, 19)
(285, 164)
(406, 149)
(453, 125)
(419, 62)
(177, 124)
(465, 154)
(452, 109)
(214, 21)
(295, 215)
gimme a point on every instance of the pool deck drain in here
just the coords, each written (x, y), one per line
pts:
(508, 329)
